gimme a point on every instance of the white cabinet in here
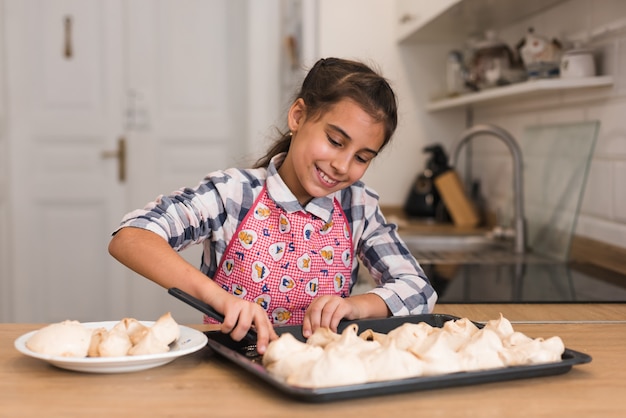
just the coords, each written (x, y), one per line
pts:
(456, 20)
(413, 15)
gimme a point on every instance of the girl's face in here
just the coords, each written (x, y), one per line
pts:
(330, 152)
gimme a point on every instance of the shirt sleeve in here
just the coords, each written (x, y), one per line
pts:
(401, 281)
(187, 216)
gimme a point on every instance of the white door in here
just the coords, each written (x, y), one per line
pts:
(64, 76)
(187, 71)
(166, 76)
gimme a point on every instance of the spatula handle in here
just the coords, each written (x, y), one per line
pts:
(204, 308)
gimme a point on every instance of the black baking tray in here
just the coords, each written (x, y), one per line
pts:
(243, 353)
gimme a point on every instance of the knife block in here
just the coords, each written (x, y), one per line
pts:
(461, 209)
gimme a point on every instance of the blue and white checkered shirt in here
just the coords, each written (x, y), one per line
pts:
(211, 212)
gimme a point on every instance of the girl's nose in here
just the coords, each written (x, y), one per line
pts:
(341, 162)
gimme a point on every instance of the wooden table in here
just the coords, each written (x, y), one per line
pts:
(203, 384)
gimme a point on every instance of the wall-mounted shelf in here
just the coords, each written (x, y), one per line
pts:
(526, 88)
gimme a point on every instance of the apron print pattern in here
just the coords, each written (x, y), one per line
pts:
(282, 261)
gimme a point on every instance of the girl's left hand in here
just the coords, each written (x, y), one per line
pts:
(327, 311)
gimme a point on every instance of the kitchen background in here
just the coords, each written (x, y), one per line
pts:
(192, 86)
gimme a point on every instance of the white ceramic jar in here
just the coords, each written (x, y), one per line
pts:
(577, 63)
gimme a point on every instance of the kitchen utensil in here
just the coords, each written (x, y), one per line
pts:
(461, 208)
(540, 55)
(456, 74)
(578, 63)
(206, 309)
(493, 63)
(423, 200)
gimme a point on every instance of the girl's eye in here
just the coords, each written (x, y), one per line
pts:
(332, 141)
(361, 159)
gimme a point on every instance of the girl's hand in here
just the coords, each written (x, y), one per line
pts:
(327, 311)
(151, 256)
(241, 315)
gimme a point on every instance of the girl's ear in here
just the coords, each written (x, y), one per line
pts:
(296, 115)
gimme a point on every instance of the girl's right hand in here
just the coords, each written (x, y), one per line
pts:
(241, 315)
(151, 256)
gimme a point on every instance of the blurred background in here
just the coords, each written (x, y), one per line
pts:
(104, 105)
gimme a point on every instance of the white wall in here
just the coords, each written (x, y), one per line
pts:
(603, 212)
(263, 70)
(5, 255)
(366, 30)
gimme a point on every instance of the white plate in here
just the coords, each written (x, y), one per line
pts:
(190, 341)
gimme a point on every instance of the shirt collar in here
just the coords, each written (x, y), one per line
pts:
(322, 207)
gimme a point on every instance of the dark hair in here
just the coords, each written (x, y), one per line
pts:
(332, 80)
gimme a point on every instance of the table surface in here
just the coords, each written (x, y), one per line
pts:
(204, 384)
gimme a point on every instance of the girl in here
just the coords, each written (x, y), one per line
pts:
(280, 239)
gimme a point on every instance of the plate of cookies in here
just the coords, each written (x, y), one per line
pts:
(127, 345)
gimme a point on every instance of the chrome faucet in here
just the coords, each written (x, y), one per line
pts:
(518, 189)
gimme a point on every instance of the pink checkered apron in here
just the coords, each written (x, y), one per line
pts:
(282, 261)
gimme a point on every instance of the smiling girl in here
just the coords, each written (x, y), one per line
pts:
(282, 240)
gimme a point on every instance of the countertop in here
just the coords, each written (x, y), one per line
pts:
(594, 272)
(204, 384)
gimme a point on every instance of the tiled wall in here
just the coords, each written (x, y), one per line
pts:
(417, 75)
(603, 211)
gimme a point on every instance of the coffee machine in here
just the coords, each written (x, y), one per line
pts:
(424, 200)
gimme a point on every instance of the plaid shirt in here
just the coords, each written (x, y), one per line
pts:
(211, 212)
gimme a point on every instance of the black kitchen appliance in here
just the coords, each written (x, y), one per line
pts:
(424, 200)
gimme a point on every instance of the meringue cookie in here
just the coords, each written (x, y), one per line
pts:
(115, 342)
(66, 339)
(410, 350)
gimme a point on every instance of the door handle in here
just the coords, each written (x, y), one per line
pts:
(67, 44)
(120, 155)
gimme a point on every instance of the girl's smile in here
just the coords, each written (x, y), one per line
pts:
(331, 151)
(326, 179)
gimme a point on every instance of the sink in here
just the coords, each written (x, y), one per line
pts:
(473, 249)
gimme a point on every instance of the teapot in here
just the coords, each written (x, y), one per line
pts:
(541, 56)
(493, 64)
